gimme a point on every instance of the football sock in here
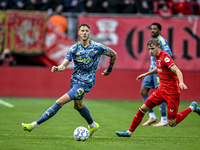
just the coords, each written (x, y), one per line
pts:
(35, 124)
(181, 115)
(49, 113)
(164, 119)
(144, 99)
(85, 113)
(152, 115)
(137, 120)
(162, 108)
(92, 125)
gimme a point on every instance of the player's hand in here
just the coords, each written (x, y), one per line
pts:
(139, 78)
(182, 86)
(105, 73)
(54, 69)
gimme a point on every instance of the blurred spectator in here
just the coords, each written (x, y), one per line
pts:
(165, 11)
(58, 6)
(110, 6)
(127, 6)
(44, 5)
(18, 4)
(195, 6)
(4, 4)
(59, 21)
(33, 5)
(93, 6)
(147, 6)
(74, 6)
(6, 58)
(181, 7)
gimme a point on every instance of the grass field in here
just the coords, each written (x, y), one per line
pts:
(57, 133)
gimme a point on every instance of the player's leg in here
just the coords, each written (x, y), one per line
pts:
(77, 94)
(85, 113)
(182, 114)
(147, 84)
(151, 102)
(50, 112)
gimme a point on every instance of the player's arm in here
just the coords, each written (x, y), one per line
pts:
(61, 67)
(113, 55)
(179, 74)
(154, 71)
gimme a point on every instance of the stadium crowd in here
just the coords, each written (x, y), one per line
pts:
(169, 7)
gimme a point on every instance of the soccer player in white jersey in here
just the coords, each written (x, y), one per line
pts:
(152, 81)
(85, 54)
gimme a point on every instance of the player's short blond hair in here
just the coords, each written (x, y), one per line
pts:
(153, 41)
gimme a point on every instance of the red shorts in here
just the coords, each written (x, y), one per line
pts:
(158, 97)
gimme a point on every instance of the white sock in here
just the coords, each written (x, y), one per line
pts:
(152, 115)
(164, 119)
(92, 125)
(192, 107)
(35, 124)
(129, 132)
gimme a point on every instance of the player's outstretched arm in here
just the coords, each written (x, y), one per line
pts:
(179, 74)
(113, 55)
(61, 67)
(154, 71)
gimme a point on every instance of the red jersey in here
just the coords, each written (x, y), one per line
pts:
(168, 79)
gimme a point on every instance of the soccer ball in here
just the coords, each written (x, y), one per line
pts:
(81, 134)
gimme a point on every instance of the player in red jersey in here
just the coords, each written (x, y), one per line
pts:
(171, 81)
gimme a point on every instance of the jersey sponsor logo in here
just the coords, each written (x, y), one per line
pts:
(171, 110)
(167, 59)
(85, 60)
(160, 70)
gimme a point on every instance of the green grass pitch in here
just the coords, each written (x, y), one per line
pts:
(57, 133)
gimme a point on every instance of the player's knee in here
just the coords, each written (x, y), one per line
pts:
(143, 92)
(172, 123)
(77, 106)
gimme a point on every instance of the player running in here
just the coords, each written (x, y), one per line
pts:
(171, 81)
(85, 54)
(153, 81)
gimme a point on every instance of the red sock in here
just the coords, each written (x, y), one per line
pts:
(137, 120)
(182, 114)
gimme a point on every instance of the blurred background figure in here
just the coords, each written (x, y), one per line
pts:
(6, 58)
(58, 6)
(19, 4)
(165, 11)
(93, 6)
(59, 21)
(181, 7)
(110, 6)
(4, 4)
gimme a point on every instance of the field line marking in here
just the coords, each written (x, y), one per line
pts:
(6, 103)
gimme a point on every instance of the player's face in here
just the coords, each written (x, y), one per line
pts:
(84, 33)
(153, 50)
(154, 31)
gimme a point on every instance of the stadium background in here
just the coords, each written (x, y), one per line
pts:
(125, 34)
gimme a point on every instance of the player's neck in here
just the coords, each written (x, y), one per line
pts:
(158, 53)
(85, 43)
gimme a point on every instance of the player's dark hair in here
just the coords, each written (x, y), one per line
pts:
(153, 41)
(84, 24)
(158, 25)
